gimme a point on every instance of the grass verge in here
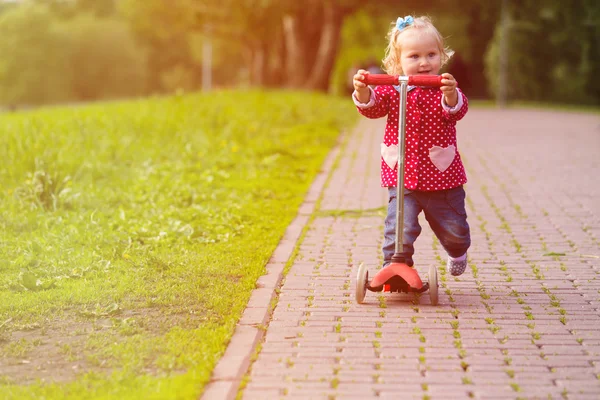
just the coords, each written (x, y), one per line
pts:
(133, 233)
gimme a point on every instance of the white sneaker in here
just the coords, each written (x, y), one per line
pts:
(457, 267)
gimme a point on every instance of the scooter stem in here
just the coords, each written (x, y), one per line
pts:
(398, 257)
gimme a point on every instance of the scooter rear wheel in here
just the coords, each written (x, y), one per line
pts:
(433, 285)
(361, 283)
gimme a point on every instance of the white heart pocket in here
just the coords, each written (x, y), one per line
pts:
(442, 157)
(390, 154)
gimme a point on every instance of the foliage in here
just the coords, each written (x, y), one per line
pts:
(43, 189)
(104, 70)
(309, 45)
(151, 249)
(34, 65)
(551, 52)
(47, 59)
(364, 39)
(167, 35)
(100, 8)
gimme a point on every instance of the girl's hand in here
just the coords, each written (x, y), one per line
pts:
(449, 89)
(362, 90)
(358, 80)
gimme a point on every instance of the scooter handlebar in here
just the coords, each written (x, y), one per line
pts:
(425, 80)
(381, 79)
(413, 80)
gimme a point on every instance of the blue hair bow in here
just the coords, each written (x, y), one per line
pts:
(402, 23)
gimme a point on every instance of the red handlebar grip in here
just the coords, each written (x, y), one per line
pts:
(413, 80)
(381, 79)
(425, 80)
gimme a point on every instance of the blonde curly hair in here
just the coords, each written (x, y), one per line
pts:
(391, 61)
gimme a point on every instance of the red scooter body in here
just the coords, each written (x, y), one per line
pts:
(398, 276)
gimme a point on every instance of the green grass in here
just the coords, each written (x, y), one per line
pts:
(132, 234)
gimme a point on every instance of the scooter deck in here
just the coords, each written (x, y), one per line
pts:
(399, 270)
(396, 278)
(397, 284)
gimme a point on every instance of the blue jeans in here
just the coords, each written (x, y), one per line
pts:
(444, 210)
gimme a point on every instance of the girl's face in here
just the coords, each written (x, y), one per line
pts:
(420, 53)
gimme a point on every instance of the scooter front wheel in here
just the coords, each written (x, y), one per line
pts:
(361, 283)
(433, 285)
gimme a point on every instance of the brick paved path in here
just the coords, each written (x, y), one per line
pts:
(522, 322)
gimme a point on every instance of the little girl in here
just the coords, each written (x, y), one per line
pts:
(434, 173)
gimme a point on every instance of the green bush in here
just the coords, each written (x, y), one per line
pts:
(550, 53)
(47, 59)
(106, 61)
(34, 62)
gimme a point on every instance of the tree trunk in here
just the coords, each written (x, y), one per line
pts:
(327, 49)
(274, 70)
(258, 66)
(312, 35)
(295, 68)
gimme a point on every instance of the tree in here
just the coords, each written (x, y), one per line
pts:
(271, 42)
(552, 51)
(71, 8)
(34, 67)
(49, 58)
(482, 17)
(165, 30)
(99, 8)
(103, 70)
(312, 37)
(302, 39)
(285, 43)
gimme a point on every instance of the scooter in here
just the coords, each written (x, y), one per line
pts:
(398, 277)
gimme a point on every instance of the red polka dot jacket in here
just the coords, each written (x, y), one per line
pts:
(432, 161)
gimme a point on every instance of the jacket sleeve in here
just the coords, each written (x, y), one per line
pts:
(378, 105)
(457, 112)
